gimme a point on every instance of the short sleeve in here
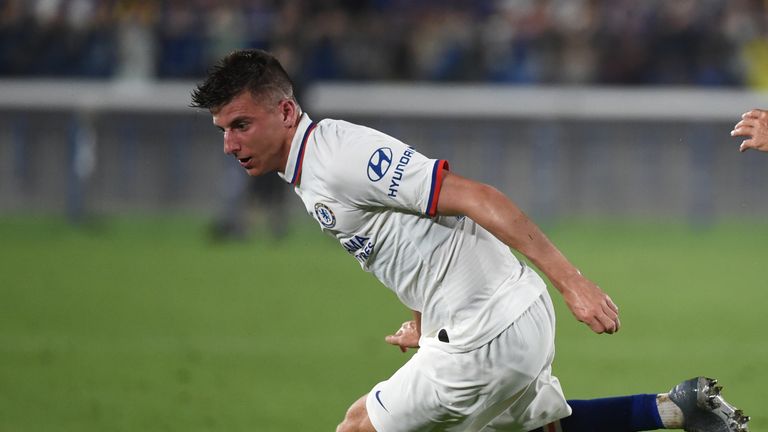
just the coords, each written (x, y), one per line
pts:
(375, 170)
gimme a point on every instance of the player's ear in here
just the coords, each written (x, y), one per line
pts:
(288, 111)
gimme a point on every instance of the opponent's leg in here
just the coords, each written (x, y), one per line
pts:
(704, 409)
(694, 405)
(356, 419)
(616, 414)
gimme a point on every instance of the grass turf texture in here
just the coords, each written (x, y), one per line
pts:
(143, 325)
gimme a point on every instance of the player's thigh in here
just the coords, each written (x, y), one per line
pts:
(433, 391)
(410, 400)
(436, 390)
(542, 402)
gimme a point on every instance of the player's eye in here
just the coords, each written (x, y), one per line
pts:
(241, 126)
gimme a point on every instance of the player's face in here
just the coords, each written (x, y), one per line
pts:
(256, 133)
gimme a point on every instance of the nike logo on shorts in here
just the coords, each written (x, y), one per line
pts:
(378, 399)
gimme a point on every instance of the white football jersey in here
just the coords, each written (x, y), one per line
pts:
(378, 197)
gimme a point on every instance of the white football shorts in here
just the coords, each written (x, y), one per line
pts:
(505, 385)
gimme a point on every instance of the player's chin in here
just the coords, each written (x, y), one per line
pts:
(255, 171)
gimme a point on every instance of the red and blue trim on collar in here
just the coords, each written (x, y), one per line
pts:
(437, 183)
(296, 180)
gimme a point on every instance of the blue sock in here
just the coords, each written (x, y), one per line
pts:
(617, 414)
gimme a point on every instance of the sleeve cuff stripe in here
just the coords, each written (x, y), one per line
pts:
(437, 183)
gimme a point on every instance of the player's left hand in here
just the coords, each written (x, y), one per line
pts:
(406, 337)
(591, 305)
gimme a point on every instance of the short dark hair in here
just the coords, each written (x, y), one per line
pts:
(254, 70)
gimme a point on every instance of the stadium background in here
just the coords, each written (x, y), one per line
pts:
(145, 283)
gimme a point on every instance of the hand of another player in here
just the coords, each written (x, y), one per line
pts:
(406, 337)
(754, 125)
(590, 305)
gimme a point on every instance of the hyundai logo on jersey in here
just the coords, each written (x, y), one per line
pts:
(325, 215)
(397, 177)
(379, 163)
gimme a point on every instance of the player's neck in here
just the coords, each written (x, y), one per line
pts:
(290, 134)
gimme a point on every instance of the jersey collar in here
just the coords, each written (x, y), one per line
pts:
(293, 167)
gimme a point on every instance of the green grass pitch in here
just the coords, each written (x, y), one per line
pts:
(143, 325)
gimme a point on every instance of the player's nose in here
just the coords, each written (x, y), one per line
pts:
(230, 146)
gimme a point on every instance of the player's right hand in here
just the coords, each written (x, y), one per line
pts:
(591, 305)
(406, 337)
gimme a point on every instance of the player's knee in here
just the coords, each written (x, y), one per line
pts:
(356, 420)
(349, 425)
(346, 426)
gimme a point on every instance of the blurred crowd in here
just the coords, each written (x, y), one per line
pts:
(628, 42)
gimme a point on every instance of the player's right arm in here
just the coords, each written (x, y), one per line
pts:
(753, 126)
(492, 210)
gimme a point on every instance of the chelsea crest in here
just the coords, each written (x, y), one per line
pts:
(325, 216)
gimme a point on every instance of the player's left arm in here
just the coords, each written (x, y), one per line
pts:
(492, 210)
